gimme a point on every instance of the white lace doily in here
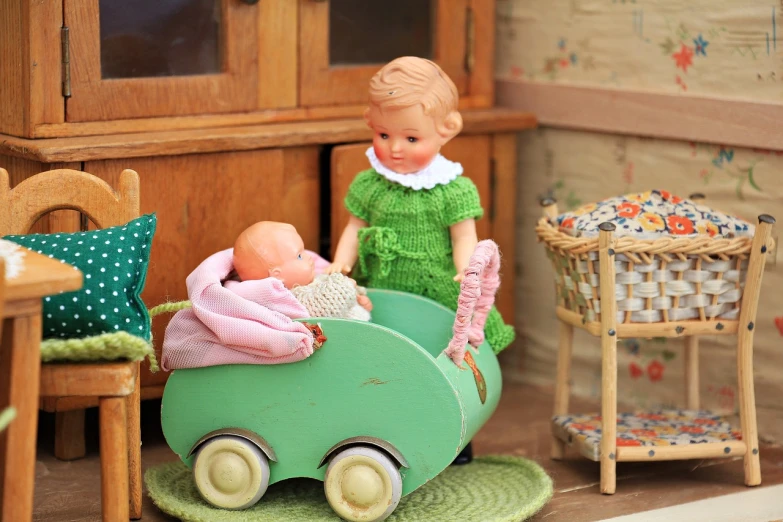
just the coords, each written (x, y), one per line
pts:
(13, 256)
(440, 171)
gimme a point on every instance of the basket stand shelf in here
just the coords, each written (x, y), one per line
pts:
(660, 435)
(587, 282)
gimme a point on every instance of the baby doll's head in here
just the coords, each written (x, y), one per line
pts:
(412, 112)
(271, 249)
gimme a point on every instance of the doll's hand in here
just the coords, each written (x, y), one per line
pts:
(364, 302)
(361, 296)
(459, 277)
(337, 267)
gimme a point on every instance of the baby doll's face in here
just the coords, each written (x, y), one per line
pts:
(405, 140)
(294, 266)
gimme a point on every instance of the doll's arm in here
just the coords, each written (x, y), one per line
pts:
(347, 251)
(464, 239)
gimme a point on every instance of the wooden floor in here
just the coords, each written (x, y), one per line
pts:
(70, 491)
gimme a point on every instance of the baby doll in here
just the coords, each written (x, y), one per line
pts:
(412, 225)
(270, 249)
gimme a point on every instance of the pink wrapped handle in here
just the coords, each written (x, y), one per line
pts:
(476, 297)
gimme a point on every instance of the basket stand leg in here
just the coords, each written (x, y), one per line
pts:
(749, 307)
(692, 372)
(608, 454)
(563, 383)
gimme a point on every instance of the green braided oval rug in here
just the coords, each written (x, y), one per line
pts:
(490, 489)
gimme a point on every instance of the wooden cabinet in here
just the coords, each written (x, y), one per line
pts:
(234, 111)
(96, 67)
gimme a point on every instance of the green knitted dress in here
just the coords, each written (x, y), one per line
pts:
(407, 245)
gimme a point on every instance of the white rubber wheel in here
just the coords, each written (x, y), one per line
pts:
(231, 472)
(362, 484)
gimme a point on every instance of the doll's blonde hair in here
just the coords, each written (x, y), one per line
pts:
(409, 81)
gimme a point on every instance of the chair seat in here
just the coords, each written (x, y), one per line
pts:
(92, 380)
(660, 428)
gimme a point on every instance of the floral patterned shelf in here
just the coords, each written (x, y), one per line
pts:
(662, 428)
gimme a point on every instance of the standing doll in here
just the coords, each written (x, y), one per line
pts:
(413, 215)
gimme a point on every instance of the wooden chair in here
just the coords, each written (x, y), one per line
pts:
(113, 387)
(590, 303)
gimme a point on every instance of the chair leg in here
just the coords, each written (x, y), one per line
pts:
(134, 449)
(563, 383)
(69, 435)
(114, 459)
(608, 453)
(692, 372)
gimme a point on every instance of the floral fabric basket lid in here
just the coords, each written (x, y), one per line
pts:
(652, 215)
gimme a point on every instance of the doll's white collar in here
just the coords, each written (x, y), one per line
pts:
(440, 171)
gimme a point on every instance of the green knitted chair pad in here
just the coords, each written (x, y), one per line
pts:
(109, 346)
(490, 489)
(104, 347)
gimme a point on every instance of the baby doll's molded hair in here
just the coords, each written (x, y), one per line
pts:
(409, 81)
(251, 256)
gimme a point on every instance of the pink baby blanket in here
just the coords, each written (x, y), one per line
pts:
(231, 322)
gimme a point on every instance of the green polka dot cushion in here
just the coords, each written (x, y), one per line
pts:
(114, 263)
(652, 215)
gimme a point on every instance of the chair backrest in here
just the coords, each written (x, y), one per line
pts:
(66, 189)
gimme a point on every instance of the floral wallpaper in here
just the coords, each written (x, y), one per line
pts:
(715, 48)
(705, 47)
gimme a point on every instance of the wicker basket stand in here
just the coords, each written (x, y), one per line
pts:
(622, 287)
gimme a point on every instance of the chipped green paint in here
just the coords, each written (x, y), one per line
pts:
(375, 381)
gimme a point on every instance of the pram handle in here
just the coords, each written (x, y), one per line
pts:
(476, 297)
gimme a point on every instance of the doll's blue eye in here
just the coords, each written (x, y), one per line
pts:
(412, 139)
(384, 136)
(300, 256)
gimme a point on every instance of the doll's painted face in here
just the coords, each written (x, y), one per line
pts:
(294, 266)
(405, 140)
(269, 249)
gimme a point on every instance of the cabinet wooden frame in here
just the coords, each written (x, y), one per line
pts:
(30, 65)
(466, 59)
(234, 89)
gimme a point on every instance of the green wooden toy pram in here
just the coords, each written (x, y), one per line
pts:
(378, 411)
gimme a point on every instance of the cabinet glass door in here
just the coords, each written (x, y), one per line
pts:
(344, 42)
(149, 38)
(147, 58)
(383, 30)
